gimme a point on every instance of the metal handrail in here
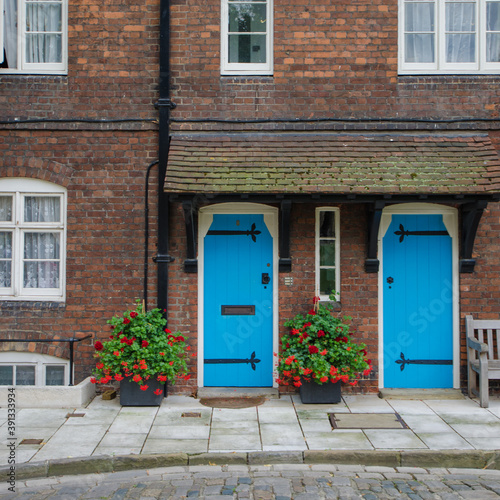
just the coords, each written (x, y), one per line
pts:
(71, 348)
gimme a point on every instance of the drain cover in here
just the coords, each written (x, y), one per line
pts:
(31, 441)
(367, 421)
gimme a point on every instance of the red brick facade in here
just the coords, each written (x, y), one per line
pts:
(335, 69)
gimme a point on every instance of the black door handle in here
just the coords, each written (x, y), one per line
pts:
(265, 278)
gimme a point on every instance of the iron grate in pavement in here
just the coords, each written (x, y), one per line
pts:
(366, 421)
(31, 441)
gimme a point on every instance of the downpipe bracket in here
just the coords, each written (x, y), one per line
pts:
(165, 101)
(163, 259)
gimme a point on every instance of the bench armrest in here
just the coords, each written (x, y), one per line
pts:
(476, 345)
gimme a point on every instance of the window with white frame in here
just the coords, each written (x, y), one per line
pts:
(33, 36)
(24, 368)
(246, 37)
(449, 36)
(32, 240)
(327, 252)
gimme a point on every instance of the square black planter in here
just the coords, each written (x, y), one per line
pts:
(327, 393)
(132, 395)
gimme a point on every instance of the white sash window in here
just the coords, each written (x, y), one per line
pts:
(449, 36)
(246, 37)
(32, 240)
(327, 252)
(33, 36)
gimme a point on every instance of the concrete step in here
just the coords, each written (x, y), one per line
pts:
(238, 392)
(421, 394)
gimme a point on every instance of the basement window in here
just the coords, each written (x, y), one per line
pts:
(30, 369)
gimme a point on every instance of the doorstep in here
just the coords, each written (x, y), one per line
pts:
(238, 392)
(421, 394)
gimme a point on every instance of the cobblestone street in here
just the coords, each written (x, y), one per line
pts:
(273, 482)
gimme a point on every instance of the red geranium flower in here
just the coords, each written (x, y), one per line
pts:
(313, 349)
(145, 343)
(133, 314)
(158, 392)
(126, 321)
(98, 346)
(144, 387)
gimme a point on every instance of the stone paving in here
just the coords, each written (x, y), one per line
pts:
(271, 482)
(104, 428)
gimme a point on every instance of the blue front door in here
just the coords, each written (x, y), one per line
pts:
(238, 299)
(418, 303)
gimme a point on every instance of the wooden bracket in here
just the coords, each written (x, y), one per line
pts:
(471, 216)
(191, 261)
(372, 263)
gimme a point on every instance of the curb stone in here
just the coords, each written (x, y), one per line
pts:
(428, 459)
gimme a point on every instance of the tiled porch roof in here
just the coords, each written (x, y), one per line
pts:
(330, 163)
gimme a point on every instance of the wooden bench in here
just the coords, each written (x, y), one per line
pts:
(483, 356)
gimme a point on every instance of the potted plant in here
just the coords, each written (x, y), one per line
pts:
(141, 354)
(318, 354)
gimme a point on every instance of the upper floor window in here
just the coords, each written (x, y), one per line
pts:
(327, 252)
(33, 36)
(449, 36)
(32, 240)
(246, 37)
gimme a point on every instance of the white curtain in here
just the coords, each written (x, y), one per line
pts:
(419, 32)
(493, 39)
(5, 259)
(10, 32)
(41, 249)
(5, 208)
(461, 21)
(43, 17)
(41, 260)
(5, 243)
(42, 209)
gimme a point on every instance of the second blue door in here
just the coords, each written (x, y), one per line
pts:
(418, 303)
(238, 302)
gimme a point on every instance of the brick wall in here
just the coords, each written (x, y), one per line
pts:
(104, 173)
(331, 60)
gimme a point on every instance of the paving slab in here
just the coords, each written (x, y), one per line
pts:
(367, 404)
(279, 437)
(181, 432)
(339, 440)
(233, 440)
(445, 441)
(393, 439)
(155, 446)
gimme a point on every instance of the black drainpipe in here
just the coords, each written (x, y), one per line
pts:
(164, 105)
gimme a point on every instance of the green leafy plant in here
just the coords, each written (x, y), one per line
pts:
(319, 348)
(141, 348)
